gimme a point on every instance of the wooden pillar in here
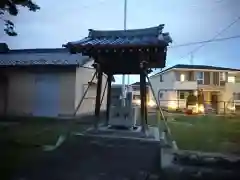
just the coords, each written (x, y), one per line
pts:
(109, 82)
(98, 95)
(145, 100)
(142, 90)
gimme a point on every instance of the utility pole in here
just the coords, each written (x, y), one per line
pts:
(125, 27)
(191, 59)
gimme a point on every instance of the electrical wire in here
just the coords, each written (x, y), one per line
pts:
(214, 37)
(206, 41)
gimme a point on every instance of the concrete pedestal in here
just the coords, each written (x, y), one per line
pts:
(130, 150)
(132, 133)
(124, 116)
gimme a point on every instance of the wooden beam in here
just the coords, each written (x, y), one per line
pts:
(142, 77)
(98, 95)
(145, 100)
(109, 81)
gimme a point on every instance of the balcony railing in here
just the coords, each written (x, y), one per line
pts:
(183, 85)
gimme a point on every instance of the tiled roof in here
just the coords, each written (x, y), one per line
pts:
(137, 37)
(26, 57)
(200, 67)
(38, 50)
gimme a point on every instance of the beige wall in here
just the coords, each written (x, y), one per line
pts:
(186, 84)
(67, 93)
(21, 92)
(83, 76)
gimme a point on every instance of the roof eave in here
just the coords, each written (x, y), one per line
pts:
(38, 65)
(202, 69)
(195, 69)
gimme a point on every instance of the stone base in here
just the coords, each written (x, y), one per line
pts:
(123, 116)
(152, 133)
(118, 153)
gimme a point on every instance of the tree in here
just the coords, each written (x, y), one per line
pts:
(11, 7)
(191, 99)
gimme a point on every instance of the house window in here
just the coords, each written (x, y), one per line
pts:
(160, 95)
(222, 76)
(161, 78)
(136, 88)
(236, 96)
(200, 77)
(181, 95)
(135, 97)
(231, 79)
(182, 77)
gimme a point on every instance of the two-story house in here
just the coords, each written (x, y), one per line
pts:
(221, 86)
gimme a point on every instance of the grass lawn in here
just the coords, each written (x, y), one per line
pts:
(206, 133)
(22, 142)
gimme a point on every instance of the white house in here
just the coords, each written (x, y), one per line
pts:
(221, 86)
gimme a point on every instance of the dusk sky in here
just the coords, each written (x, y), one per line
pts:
(59, 21)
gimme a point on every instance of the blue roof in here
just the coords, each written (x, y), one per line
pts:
(136, 37)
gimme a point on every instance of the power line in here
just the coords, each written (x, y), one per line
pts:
(206, 41)
(214, 37)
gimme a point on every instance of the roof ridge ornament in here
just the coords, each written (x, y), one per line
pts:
(90, 33)
(160, 28)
